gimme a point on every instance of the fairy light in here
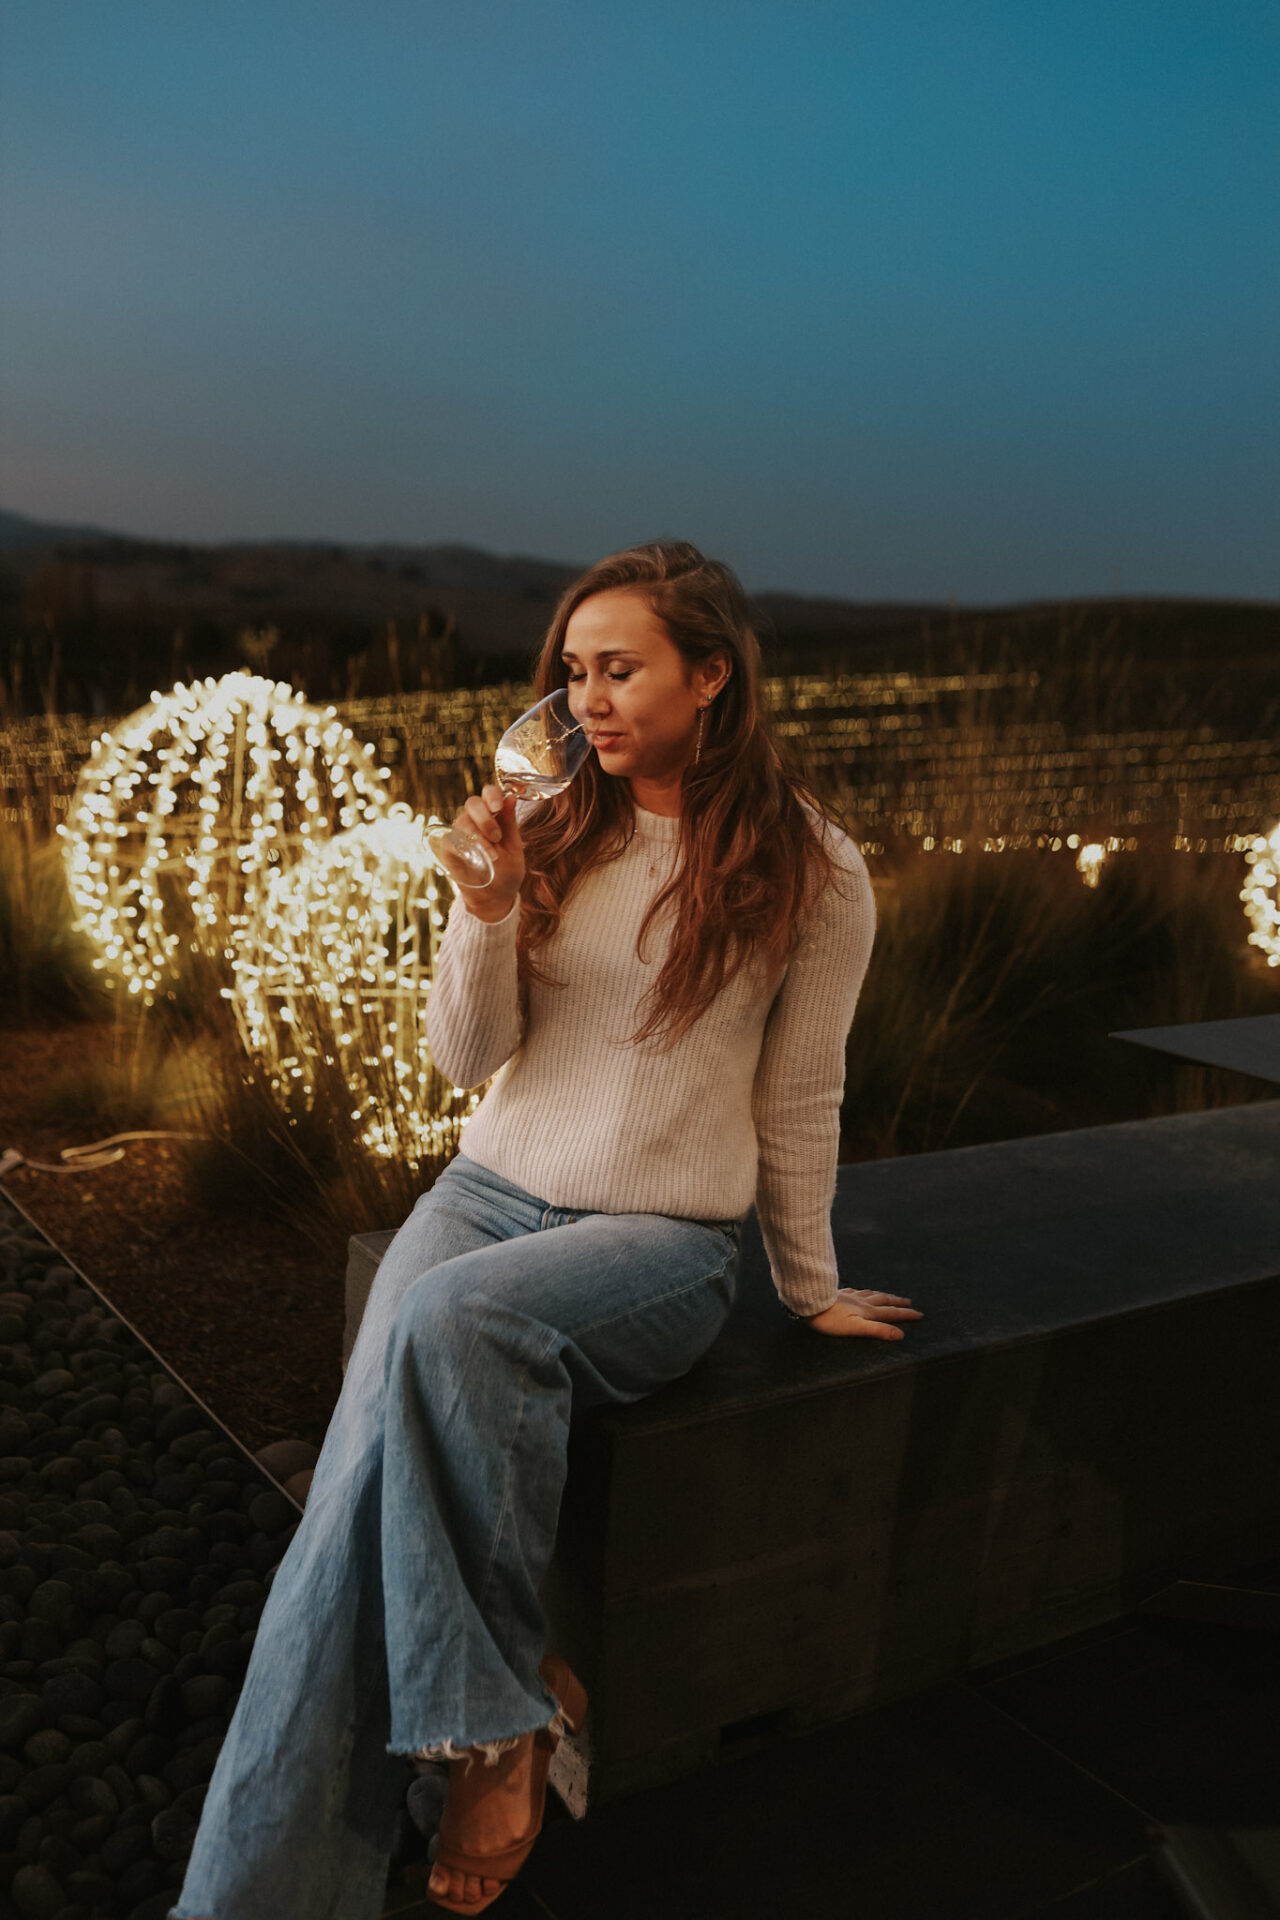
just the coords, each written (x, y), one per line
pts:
(1090, 861)
(182, 811)
(1261, 893)
(335, 968)
(1091, 856)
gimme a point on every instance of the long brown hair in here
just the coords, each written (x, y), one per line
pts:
(752, 857)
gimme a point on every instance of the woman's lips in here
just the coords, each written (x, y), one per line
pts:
(604, 739)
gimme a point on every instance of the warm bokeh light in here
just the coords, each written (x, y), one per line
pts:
(182, 811)
(1089, 860)
(1261, 894)
(335, 968)
(908, 758)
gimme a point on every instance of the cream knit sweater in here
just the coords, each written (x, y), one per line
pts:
(745, 1107)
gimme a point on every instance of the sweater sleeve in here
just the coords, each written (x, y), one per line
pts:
(799, 1084)
(474, 1020)
(473, 1017)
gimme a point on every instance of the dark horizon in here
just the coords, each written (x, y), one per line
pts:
(19, 530)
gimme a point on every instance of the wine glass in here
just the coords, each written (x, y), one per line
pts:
(537, 755)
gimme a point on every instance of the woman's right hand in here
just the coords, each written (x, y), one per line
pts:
(491, 815)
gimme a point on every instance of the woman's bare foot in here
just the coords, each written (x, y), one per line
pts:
(495, 1811)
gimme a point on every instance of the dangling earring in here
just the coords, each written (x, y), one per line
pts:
(697, 751)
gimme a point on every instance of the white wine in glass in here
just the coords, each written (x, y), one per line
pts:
(538, 755)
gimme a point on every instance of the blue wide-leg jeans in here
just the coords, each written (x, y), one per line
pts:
(405, 1614)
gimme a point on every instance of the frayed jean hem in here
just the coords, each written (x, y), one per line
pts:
(489, 1751)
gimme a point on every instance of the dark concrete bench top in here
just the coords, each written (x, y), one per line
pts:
(1250, 1045)
(1000, 1242)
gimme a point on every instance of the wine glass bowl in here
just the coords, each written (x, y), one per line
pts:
(538, 755)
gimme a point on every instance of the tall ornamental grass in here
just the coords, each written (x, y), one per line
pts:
(46, 966)
(996, 979)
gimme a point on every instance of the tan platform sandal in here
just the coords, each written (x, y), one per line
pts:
(470, 1784)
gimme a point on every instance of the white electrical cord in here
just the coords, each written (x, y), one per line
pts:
(86, 1159)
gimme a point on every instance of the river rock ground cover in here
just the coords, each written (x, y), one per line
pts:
(138, 1542)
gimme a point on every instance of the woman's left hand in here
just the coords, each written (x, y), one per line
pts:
(864, 1310)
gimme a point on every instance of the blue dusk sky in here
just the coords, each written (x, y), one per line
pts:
(890, 299)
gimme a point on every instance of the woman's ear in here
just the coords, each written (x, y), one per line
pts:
(716, 670)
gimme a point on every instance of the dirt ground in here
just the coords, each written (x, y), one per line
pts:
(244, 1310)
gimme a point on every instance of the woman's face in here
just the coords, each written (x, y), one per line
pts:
(631, 687)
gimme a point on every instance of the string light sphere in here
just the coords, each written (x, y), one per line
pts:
(1261, 893)
(182, 811)
(334, 971)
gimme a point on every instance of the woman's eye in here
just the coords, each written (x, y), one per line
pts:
(621, 676)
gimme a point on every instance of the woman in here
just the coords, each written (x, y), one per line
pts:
(660, 978)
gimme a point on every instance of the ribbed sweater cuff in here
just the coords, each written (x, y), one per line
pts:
(804, 1306)
(486, 932)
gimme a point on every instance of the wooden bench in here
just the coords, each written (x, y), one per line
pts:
(802, 1528)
